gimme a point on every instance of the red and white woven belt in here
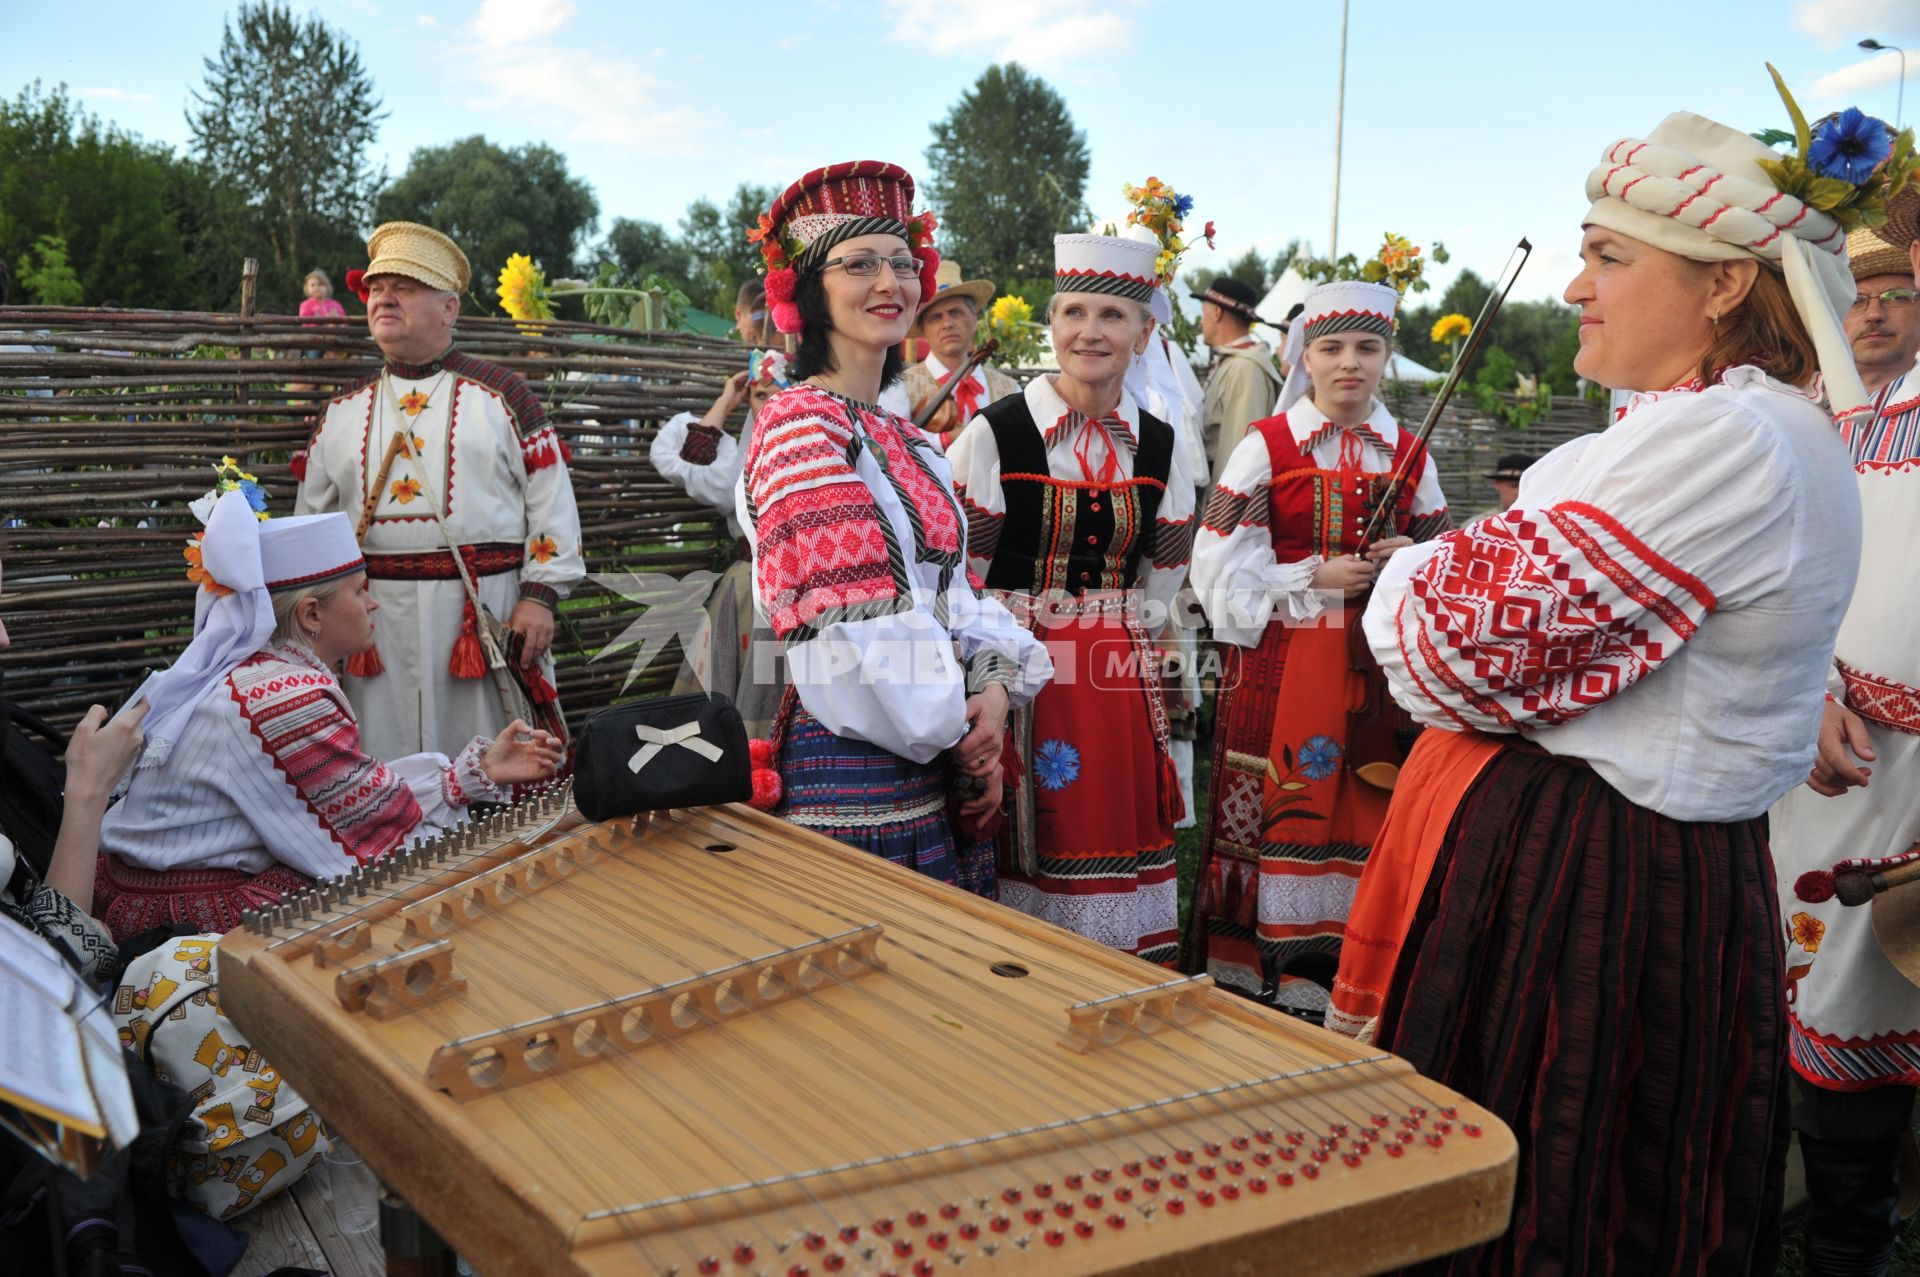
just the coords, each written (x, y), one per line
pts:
(1881, 700)
(487, 559)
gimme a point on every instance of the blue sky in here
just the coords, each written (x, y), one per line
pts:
(1472, 123)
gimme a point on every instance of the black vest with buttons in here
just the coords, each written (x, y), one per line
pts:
(1072, 536)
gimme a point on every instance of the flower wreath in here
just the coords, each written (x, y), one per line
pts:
(227, 477)
(1163, 210)
(1848, 165)
(782, 280)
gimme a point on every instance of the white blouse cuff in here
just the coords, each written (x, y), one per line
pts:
(467, 781)
(1291, 584)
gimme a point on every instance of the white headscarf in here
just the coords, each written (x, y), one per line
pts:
(245, 560)
(1346, 305)
(1695, 188)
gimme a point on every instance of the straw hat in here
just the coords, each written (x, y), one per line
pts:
(1869, 255)
(418, 252)
(948, 283)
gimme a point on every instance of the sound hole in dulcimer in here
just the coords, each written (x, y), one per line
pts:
(794, 1058)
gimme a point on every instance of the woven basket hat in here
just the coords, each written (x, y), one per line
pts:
(418, 252)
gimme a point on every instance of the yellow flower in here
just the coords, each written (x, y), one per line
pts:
(1449, 327)
(1807, 931)
(405, 489)
(523, 289)
(413, 403)
(1009, 311)
(542, 548)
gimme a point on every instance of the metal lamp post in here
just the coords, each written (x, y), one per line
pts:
(1900, 101)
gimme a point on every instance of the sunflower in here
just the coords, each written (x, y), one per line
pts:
(1451, 327)
(523, 289)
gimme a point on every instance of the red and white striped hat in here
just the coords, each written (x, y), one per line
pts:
(1112, 265)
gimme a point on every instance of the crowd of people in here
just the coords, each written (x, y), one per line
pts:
(1494, 796)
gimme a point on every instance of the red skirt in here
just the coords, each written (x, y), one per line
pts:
(130, 900)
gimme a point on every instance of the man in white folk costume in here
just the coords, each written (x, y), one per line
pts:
(1243, 382)
(440, 449)
(949, 322)
(1853, 1017)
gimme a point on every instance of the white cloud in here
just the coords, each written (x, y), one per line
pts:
(581, 97)
(1836, 22)
(115, 95)
(1879, 71)
(425, 20)
(1061, 32)
(507, 22)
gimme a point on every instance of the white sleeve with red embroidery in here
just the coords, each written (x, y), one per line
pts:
(1169, 549)
(1234, 573)
(444, 787)
(974, 455)
(1708, 542)
(710, 484)
(553, 561)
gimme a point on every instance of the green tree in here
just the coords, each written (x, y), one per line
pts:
(715, 241)
(638, 248)
(132, 217)
(1008, 170)
(285, 117)
(46, 275)
(494, 202)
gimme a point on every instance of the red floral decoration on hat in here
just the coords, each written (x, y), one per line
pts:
(357, 282)
(920, 236)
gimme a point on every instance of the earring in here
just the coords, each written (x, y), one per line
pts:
(1713, 322)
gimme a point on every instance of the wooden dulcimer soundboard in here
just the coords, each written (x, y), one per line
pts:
(709, 1042)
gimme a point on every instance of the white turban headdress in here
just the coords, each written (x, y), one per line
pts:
(1695, 188)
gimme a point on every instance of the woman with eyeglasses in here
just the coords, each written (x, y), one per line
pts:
(1081, 519)
(902, 673)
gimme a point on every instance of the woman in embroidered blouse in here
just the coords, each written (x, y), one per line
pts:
(1080, 518)
(252, 782)
(1570, 910)
(859, 549)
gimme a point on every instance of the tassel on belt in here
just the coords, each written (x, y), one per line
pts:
(489, 558)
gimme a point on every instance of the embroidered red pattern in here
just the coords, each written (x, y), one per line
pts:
(1881, 700)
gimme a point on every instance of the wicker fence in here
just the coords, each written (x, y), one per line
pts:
(109, 421)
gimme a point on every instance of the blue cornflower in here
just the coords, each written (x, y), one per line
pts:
(1319, 757)
(256, 498)
(1056, 764)
(1849, 147)
(1183, 206)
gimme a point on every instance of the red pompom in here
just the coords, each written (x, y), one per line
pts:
(781, 285)
(760, 753)
(1814, 886)
(299, 466)
(766, 789)
(786, 317)
(357, 283)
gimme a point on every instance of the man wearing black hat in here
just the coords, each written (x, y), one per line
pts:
(1243, 383)
(1505, 478)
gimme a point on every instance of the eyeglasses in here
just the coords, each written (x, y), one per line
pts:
(867, 266)
(1888, 300)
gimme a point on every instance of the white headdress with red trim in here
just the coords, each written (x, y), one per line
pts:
(831, 205)
(1698, 189)
(1115, 265)
(1344, 306)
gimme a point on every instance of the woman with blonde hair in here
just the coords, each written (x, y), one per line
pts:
(252, 781)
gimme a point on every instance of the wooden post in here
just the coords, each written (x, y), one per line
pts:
(249, 288)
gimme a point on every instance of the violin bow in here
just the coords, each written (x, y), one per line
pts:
(981, 353)
(1495, 300)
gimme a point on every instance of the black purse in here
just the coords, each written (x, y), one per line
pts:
(677, 751)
